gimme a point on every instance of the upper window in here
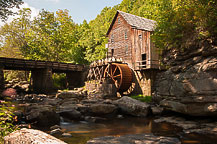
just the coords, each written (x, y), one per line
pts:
(126, 49)
(125, 34)
(119, 20)
(112, 38)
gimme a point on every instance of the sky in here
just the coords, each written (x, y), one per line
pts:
(79, 9)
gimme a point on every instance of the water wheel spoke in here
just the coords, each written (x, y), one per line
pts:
(108, 74)
(115, 70)
(117, 84)
(117, 76)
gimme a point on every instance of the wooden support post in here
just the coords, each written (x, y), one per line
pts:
(42, 81)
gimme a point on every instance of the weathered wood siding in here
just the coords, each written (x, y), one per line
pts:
(130, 43)
(120, 43)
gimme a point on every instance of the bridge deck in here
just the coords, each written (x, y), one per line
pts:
(22, 64)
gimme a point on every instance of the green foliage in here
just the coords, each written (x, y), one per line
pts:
(50, 36)
(11, 75)
(183, 23)
(142, 98)
(6, 119)
(59, 80)
(6, 8)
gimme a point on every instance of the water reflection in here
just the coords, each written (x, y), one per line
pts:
(83, 131)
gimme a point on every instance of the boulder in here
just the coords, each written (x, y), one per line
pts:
(43, 115)
(193, 89)
(193, 109)
(156, 110)
(102, 109)
(66, 95)
(71, 114)
(57, 131)
(133, 107)
(134, 139)
(28, 136)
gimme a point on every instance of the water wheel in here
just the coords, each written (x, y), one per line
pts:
(120, 74)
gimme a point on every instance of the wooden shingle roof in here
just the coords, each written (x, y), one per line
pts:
(135, 21)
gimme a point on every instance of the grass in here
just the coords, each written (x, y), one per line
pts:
(142, 98)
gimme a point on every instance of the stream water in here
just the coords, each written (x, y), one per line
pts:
(83, 131)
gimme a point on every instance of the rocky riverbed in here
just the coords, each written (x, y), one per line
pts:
(72, 117)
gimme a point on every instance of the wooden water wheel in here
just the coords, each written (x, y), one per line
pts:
(120, 74)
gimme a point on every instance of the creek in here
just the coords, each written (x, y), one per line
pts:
(83, 131)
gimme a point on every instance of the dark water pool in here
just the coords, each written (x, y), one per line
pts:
(83, 131)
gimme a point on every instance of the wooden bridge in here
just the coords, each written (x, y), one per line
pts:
(41, 72)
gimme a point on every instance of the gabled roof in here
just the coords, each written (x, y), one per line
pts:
(135, 21)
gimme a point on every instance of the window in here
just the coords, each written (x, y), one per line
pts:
(119, 21)
(126, 49)
(125, 34)
(140, 36)
(112, 38)
(112, 52)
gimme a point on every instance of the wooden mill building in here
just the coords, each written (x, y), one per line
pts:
(130, 39)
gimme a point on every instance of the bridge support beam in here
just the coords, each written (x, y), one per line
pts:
(74, 79)
(1, 79)
(42, 81)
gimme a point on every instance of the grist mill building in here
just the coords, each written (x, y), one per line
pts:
(130, 39)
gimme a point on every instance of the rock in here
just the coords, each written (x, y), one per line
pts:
(66, 95)
(120, 116)
(78, 90)
(28, 136)
(71, 114)
(24, 126)
(102, 109)
(91, 101)
(66, 135)
(193, 109)
(55, 127)
(134, 139)
(49, 101)
(133, 107)
(192, 88)
(94, 119)
(179, 122)
(44, 115)
(156, 110)
(57, 131)
(10, 92)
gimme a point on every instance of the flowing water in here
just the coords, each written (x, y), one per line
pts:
(83, 131)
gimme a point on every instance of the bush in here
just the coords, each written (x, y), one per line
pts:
(20, 75)
(60, 81)
(142, 98)
(6, 119)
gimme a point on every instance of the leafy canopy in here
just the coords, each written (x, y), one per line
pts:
(50, 36)
(5, 8)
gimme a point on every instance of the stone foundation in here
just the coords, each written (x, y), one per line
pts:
(144, 81)
(101, 90)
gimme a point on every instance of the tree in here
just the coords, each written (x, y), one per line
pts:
(53, 37)
(6, 5)
(13, 35)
